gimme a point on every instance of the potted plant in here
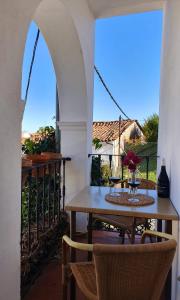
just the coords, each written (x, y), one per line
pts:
(41, 148)
(51, 155)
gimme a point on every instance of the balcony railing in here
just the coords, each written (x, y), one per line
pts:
(42, 209)
(103, 165)
(102, 168)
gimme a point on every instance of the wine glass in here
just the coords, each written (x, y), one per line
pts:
(133, 183)
(115, 179)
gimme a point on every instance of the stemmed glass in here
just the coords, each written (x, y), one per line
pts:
(115, 179)
(133, 183)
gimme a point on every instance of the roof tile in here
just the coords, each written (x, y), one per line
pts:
(109, 131)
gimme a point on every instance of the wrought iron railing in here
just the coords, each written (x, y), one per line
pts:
(106, 161)
(42, 208)
(102, 168)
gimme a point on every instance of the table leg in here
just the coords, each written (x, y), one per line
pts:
(168, 226)
(90, 235)
(168, 229)
(73, 254)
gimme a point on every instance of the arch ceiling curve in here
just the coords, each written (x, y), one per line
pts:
(58, 29)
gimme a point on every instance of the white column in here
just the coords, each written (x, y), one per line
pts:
(68, 29)
(65, 45)
(169, 128)
(74, 137)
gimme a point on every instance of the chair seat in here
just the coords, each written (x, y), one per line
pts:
(85, 276)
(121, 221)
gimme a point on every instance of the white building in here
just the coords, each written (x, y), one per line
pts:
(68, 28)
(109, 133)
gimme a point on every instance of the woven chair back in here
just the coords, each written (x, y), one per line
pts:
(135, 272)
(145, 184)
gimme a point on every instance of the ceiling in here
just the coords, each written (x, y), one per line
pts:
(108, 8)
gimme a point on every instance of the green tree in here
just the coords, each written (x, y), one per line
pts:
(46, 131)
(150, 128)
(45, 143)
(31, 147)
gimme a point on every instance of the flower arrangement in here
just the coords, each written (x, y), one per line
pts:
(131, 160)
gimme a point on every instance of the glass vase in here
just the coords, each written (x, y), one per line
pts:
(133, 183)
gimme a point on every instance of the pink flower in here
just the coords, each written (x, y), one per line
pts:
(131, 160)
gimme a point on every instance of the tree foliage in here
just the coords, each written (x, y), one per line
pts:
(31, 147)
(44, 143)
(150, 128)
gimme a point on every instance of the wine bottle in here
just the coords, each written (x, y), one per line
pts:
(163, 182)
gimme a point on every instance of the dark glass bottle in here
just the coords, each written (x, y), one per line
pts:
(163, 182)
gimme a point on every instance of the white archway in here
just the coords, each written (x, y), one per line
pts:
(59, 31)
(62, 39)
(15, 18)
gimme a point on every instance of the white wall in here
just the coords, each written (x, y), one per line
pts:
(15, 17)
(106, 8)
(68, 28)
(107, 148)
(72, 53)
(169, 127)
(13, 26)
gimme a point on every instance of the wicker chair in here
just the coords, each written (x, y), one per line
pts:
(127, 224)
(121, 272)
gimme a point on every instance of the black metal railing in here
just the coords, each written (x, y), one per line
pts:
(102, 168)
(42, 207)
(103, 164)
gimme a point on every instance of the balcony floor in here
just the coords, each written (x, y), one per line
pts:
(48, 285)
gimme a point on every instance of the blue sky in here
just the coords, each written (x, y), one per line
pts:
(40, 106)
(127, 53)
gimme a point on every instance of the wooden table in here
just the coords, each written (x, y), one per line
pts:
(91, 200)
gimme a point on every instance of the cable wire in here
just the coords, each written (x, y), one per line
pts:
(96, 69)
(31, 65)
(108, 91)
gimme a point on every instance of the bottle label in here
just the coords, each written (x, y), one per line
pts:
(163, 191)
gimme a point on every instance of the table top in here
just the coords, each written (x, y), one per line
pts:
(92, 200)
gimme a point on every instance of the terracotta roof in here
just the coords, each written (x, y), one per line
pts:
(109, 131)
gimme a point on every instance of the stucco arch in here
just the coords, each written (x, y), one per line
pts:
(67, 54)
(58, 29)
